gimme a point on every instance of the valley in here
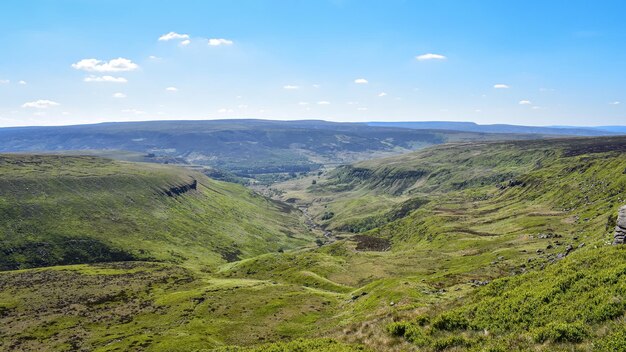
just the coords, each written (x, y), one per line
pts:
(244, 151)
(312, 176)
(461, 246)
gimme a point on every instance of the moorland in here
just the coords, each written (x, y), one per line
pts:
(427, 240)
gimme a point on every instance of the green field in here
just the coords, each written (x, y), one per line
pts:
(455, 247)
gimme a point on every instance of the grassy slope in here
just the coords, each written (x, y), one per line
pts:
(63, 210)
(486, 206)
(153, 307)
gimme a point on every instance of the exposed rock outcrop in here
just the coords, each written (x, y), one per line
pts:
(620, 229)
(178, 190)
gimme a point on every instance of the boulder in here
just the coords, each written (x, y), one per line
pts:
(621, 217)
(619, 237)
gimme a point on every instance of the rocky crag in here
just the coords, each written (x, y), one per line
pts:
(620, 229)
(182, 189)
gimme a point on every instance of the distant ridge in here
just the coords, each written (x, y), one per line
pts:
(245, 148)
(504, 128)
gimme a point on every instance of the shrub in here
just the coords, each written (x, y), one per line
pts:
(412, 333)
(561, 332)
(615, 342)
(328, 215)
(450, 322)
(422, 320)
(397, 328)
(451, 341)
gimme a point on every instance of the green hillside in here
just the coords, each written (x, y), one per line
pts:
(260, 149)
(540, 213)
(485, 246)
(73, 209)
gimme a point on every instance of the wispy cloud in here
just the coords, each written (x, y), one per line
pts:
(219, 41)
(171, 89)
(4, 81)
(525, 102)
(382, 94)
(430, 56)
(615, 103)
(116, 65)
(22, 82)
(172, 36)
(303, 103)
(361, 81)
(40, 104)
(323, 102)
(500, 86)
(185, 42)
(134, 111)
(290, 87)
(109, 79)
(119, 95)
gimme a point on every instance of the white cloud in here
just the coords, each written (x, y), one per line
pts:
(119, 95)
(154, 57)
(4, 81)
(478, 110)
(290, 87)
(362, 109)
(109, 79)
(40, 104)
(22, 82)
(382, 94)
(615, 103)
(500, 86)
(538, 108)
(115, 65)
(323, 102)
(525, 102)
(219, 41)
(430, 56)
(185, 42)
(173, 35)
(353, 103)
(303, 103)
(316, 86)
(171, 89)
(224, 110)
(361, 81)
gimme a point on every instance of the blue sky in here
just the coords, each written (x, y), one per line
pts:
(521, 62)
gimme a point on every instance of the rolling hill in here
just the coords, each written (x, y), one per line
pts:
(497, 246)
(494, 246)
(82, 209)
(244, 147)
(504, 128)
